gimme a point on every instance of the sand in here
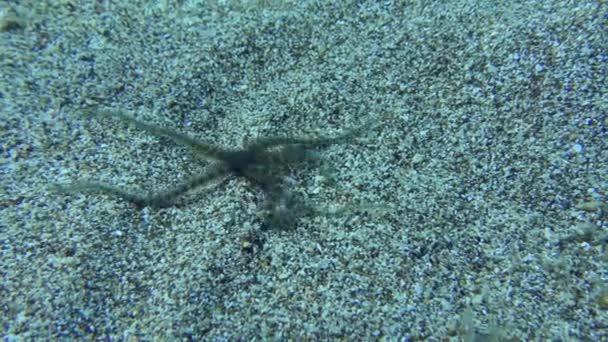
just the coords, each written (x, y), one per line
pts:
(474, 209)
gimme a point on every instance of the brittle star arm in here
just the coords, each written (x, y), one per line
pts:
(197, 146)
(263, 143)
(159, 200)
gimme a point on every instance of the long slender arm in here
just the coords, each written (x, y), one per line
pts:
(198, 147)
(277, 141)
(158, 200)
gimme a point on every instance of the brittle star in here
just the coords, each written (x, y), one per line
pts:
(261, 161)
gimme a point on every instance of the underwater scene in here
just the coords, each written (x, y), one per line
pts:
(221, 170)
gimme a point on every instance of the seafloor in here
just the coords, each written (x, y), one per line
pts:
(474, 208)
